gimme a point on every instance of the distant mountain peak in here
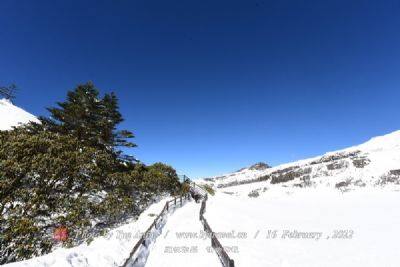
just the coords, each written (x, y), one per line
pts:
(259, 166)
(373, 163)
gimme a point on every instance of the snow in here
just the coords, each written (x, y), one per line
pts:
(371, 216)
(285, 225)
(111, 250)
(383, 153)
(183, 242)
(11, 115)
(263, 224)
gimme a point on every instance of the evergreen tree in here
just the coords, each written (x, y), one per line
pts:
(49, 179)
(92, 119)
(160, 178)
(67, 171)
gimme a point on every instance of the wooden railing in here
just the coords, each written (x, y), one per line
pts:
(226, 261)
(216, 245)
(144, 240)
(198, 188)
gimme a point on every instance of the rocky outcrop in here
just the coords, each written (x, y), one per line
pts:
(289, 174)
(260, 166)
(361, 162)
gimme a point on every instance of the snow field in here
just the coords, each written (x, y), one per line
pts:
(298, 229)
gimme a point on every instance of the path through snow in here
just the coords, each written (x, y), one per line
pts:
(182, 242)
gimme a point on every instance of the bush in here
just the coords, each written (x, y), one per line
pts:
(343, 184)
(68, 171)
(254, 194)
(49, 180)
(160, 178)
(209, 189)
(185, 188)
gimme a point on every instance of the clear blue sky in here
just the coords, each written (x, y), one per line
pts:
(212, 86)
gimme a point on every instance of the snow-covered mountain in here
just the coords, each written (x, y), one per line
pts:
(338, 209)
(376, 162)
(11, 115)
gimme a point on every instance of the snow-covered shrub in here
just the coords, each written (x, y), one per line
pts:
(342, 185)
(46, 180)
(254, 194)
(336, 165)
(361, 162)
(49, 180)
(68, 171)
(392, 177)
(289, 174)
(209, 189)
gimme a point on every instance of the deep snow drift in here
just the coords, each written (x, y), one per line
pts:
(11, 115)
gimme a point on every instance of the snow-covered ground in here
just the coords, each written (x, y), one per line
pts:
(370, 163)
(182, 244)
(288, 215)
(265, 227)
(339, 209)
(111, 250)
(11, 115)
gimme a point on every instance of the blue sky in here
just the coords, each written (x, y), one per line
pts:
(212, 86)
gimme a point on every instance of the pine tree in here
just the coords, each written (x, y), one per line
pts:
(67, 171)
(49, 179)
(92, 119)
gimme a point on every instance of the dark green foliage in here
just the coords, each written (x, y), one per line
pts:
(67, 171)
(90, 118)
(160, 178)
(208, 188)
(49, 179)
(46, 180)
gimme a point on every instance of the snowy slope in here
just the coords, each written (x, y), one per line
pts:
(110, 250)
(288, 215)
(11, 115)
(291, 213)
(376, 162)
(298, 229)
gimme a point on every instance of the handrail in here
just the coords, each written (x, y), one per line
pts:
(144, 237)
(203, 191)
(215, 244)
(226, 261)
